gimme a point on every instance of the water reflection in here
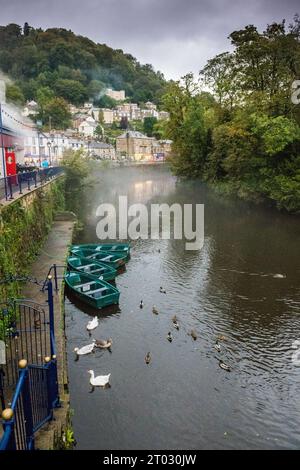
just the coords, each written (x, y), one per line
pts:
(183, 400)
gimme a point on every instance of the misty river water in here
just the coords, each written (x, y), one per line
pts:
(183, 399)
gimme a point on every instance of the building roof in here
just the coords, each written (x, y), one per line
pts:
(133, 134)
(100, 145)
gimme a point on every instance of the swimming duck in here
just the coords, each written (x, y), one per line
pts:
(176, 325)
(221, 338)
(217, 346)
(92, 324)
(100, 380)
(169, 337)
(224, 366)
(141, 304)
(154, 310)
(85, 349)
(148, 358)
(194, 335)
(162, 290)
(174, 319)
(103, 343)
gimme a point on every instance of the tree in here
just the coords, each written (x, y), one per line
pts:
(56, 109)
(124, 123)
(71, 90)
(149, 123)
(26, 29)
(14, 94)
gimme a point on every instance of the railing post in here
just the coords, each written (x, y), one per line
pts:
(8, 427)
(10, 188)
(20, 183)
(51, 314)
(55, 276)
(52, 383)
(35, 181)
(27, 406)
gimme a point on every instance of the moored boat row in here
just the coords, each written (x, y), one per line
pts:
(90, 267)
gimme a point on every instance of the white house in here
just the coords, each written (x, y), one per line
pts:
(88, 127)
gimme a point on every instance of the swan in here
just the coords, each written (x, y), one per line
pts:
(279, 276)
(100, 380)
(154, 310)
(148, 358)
(217, 346)
(141, 304)
(224, 366)
(92, 324)
(170, 337)
(103, 343)
(162, 290)
(85, 349)
(194, 335)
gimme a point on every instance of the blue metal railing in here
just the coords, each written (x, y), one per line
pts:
(16, 184)
(32, 406)
(36, 395)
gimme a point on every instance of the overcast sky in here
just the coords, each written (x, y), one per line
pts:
(175, 36)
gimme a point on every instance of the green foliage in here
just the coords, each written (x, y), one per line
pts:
(76, 171)
(59, 59)
(56, 109)
(149, 123)
(71, 90)
(22, 231)
(245, 138)
(14, 94)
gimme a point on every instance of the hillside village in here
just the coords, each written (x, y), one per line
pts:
(90, 131)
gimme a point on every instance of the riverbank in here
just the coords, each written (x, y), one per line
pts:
(54, 251)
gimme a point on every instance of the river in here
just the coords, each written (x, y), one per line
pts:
(183, 399)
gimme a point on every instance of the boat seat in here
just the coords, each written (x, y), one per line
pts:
(106, 258)
(85, 266)
(97, 291)
(97, 270)
(79, 286)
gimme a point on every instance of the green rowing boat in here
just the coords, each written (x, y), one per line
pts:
(95, 269)
(116, 260)
(123, 248)
(94, 292)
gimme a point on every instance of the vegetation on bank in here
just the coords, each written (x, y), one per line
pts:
(55, 67)
(23, 228)
(244, 137)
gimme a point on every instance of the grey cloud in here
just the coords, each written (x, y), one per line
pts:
(176, 36)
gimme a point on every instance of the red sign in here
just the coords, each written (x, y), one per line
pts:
(11, 165)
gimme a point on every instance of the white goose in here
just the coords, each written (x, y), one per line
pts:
(92, 324)
(85, 349)
(100, 380)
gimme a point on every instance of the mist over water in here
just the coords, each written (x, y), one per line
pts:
(183, 399)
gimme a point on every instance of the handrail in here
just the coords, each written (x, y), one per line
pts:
(10, 185)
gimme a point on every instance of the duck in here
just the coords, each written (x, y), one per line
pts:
(221, 338)
(162, 290)
(154, 310)
(194, 335)
(100, 380)
(141, 304)
(174, 319)
(92, 324)
(217, 346)
(170, 337)
(85, 349)
(176, 325)
(224, 366)
(103, 343)
(148, 358)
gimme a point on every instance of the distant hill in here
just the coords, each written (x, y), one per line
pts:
(73, 67)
